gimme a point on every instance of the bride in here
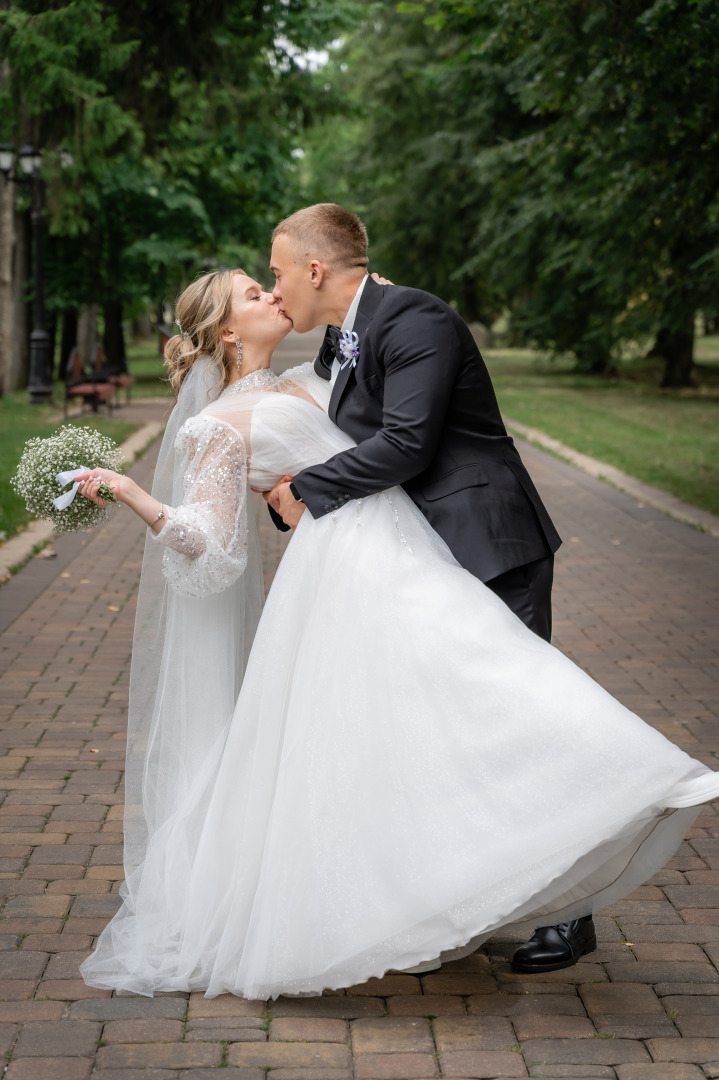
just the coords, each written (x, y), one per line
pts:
(380, 781)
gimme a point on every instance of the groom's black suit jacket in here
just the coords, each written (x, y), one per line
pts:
(421, 406)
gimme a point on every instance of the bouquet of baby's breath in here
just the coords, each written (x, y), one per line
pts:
(71, 447)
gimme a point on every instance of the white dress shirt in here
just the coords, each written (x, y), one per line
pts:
(348, 325)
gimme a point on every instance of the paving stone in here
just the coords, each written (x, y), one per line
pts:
(22, 965)
(57, 943)
(71, 1038)
(649, 911)
(620, 998)
(64, 965)
(473, 1033)
(693, 896)
(526, 1005)
(24, 1011)
(226, 1023)
(158, 1055)
(688, 1050)
(341, 1008)
(636, 1026)
(16, 989)
(583, 1051)
(685, 989)
(224, 1005)
(229, 1033)
(426, 1005)
(189, 1074)
(639, 932)
(579, 973)
(572, 1072)
(658, 1071)
(684, 1004)
(669, 951)
(556, 1027)
(392, 1035)
(459, 983)
(699, 1026)
(309, 1030)
(395, 1067)
(128, 1008)
(45, 906)
(68, 990)
(277, 1055)
(390, 984)
(659, 972)
(480, 1063)
(54, 1068)
(142, 1074)
(95, 906)
(143, 1031)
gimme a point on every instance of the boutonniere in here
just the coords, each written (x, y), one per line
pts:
(349, 348)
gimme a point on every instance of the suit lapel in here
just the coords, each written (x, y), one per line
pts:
(371, 298)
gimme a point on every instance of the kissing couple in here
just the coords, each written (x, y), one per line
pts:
(389, 761)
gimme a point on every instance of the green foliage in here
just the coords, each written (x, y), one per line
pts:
(180, 119)
(556, 159)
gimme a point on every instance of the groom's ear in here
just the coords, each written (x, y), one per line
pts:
(317, 273)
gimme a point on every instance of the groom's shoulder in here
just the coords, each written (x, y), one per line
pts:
(400, 296)
(399, 300)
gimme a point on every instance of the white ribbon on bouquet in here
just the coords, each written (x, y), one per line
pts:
(63, 501)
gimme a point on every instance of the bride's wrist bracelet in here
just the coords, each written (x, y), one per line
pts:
(159, 517)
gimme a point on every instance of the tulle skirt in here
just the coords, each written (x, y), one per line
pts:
(408, 768)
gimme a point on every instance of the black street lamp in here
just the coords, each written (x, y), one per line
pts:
(30, 161)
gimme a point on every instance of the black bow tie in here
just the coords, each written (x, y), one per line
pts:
(330, 350)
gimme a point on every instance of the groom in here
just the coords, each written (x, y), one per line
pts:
(410, 386)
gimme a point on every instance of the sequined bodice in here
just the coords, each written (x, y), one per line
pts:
(264, 379)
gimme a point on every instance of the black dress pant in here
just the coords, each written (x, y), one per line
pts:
(527, 590)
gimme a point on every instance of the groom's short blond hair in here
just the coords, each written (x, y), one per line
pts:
(326, 232)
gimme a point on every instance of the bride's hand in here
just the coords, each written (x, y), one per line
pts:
(381, 280)
(272, 497)
(89, 485)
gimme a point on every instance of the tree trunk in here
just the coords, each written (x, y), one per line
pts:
(679, 356)
(113, 341)
(87, 334)
(676, 348)
(68, 341)
(51, 327)
(19, 369)
(7, 311)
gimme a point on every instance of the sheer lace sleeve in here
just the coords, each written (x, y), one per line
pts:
(205, 538)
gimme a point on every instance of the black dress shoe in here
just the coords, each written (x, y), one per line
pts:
(551, 948)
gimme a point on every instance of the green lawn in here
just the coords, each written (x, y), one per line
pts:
(669, 439)
(145, 363)
(19, 422)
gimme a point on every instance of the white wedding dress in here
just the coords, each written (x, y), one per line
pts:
(408, 767)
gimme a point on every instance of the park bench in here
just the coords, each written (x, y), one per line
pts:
(121, 380)
(88, 386)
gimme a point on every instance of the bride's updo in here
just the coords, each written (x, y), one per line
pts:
(203, 311)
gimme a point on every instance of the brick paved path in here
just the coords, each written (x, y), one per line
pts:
(637, 597)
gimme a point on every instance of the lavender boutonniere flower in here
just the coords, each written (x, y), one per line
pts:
(349, 348)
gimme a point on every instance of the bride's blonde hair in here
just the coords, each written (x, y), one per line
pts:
(203, 311)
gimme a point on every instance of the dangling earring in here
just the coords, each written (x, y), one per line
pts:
(238, 343)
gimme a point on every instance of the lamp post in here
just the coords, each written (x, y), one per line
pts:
(30, 161)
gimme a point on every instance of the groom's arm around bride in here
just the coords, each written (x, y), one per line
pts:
(410, 386)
